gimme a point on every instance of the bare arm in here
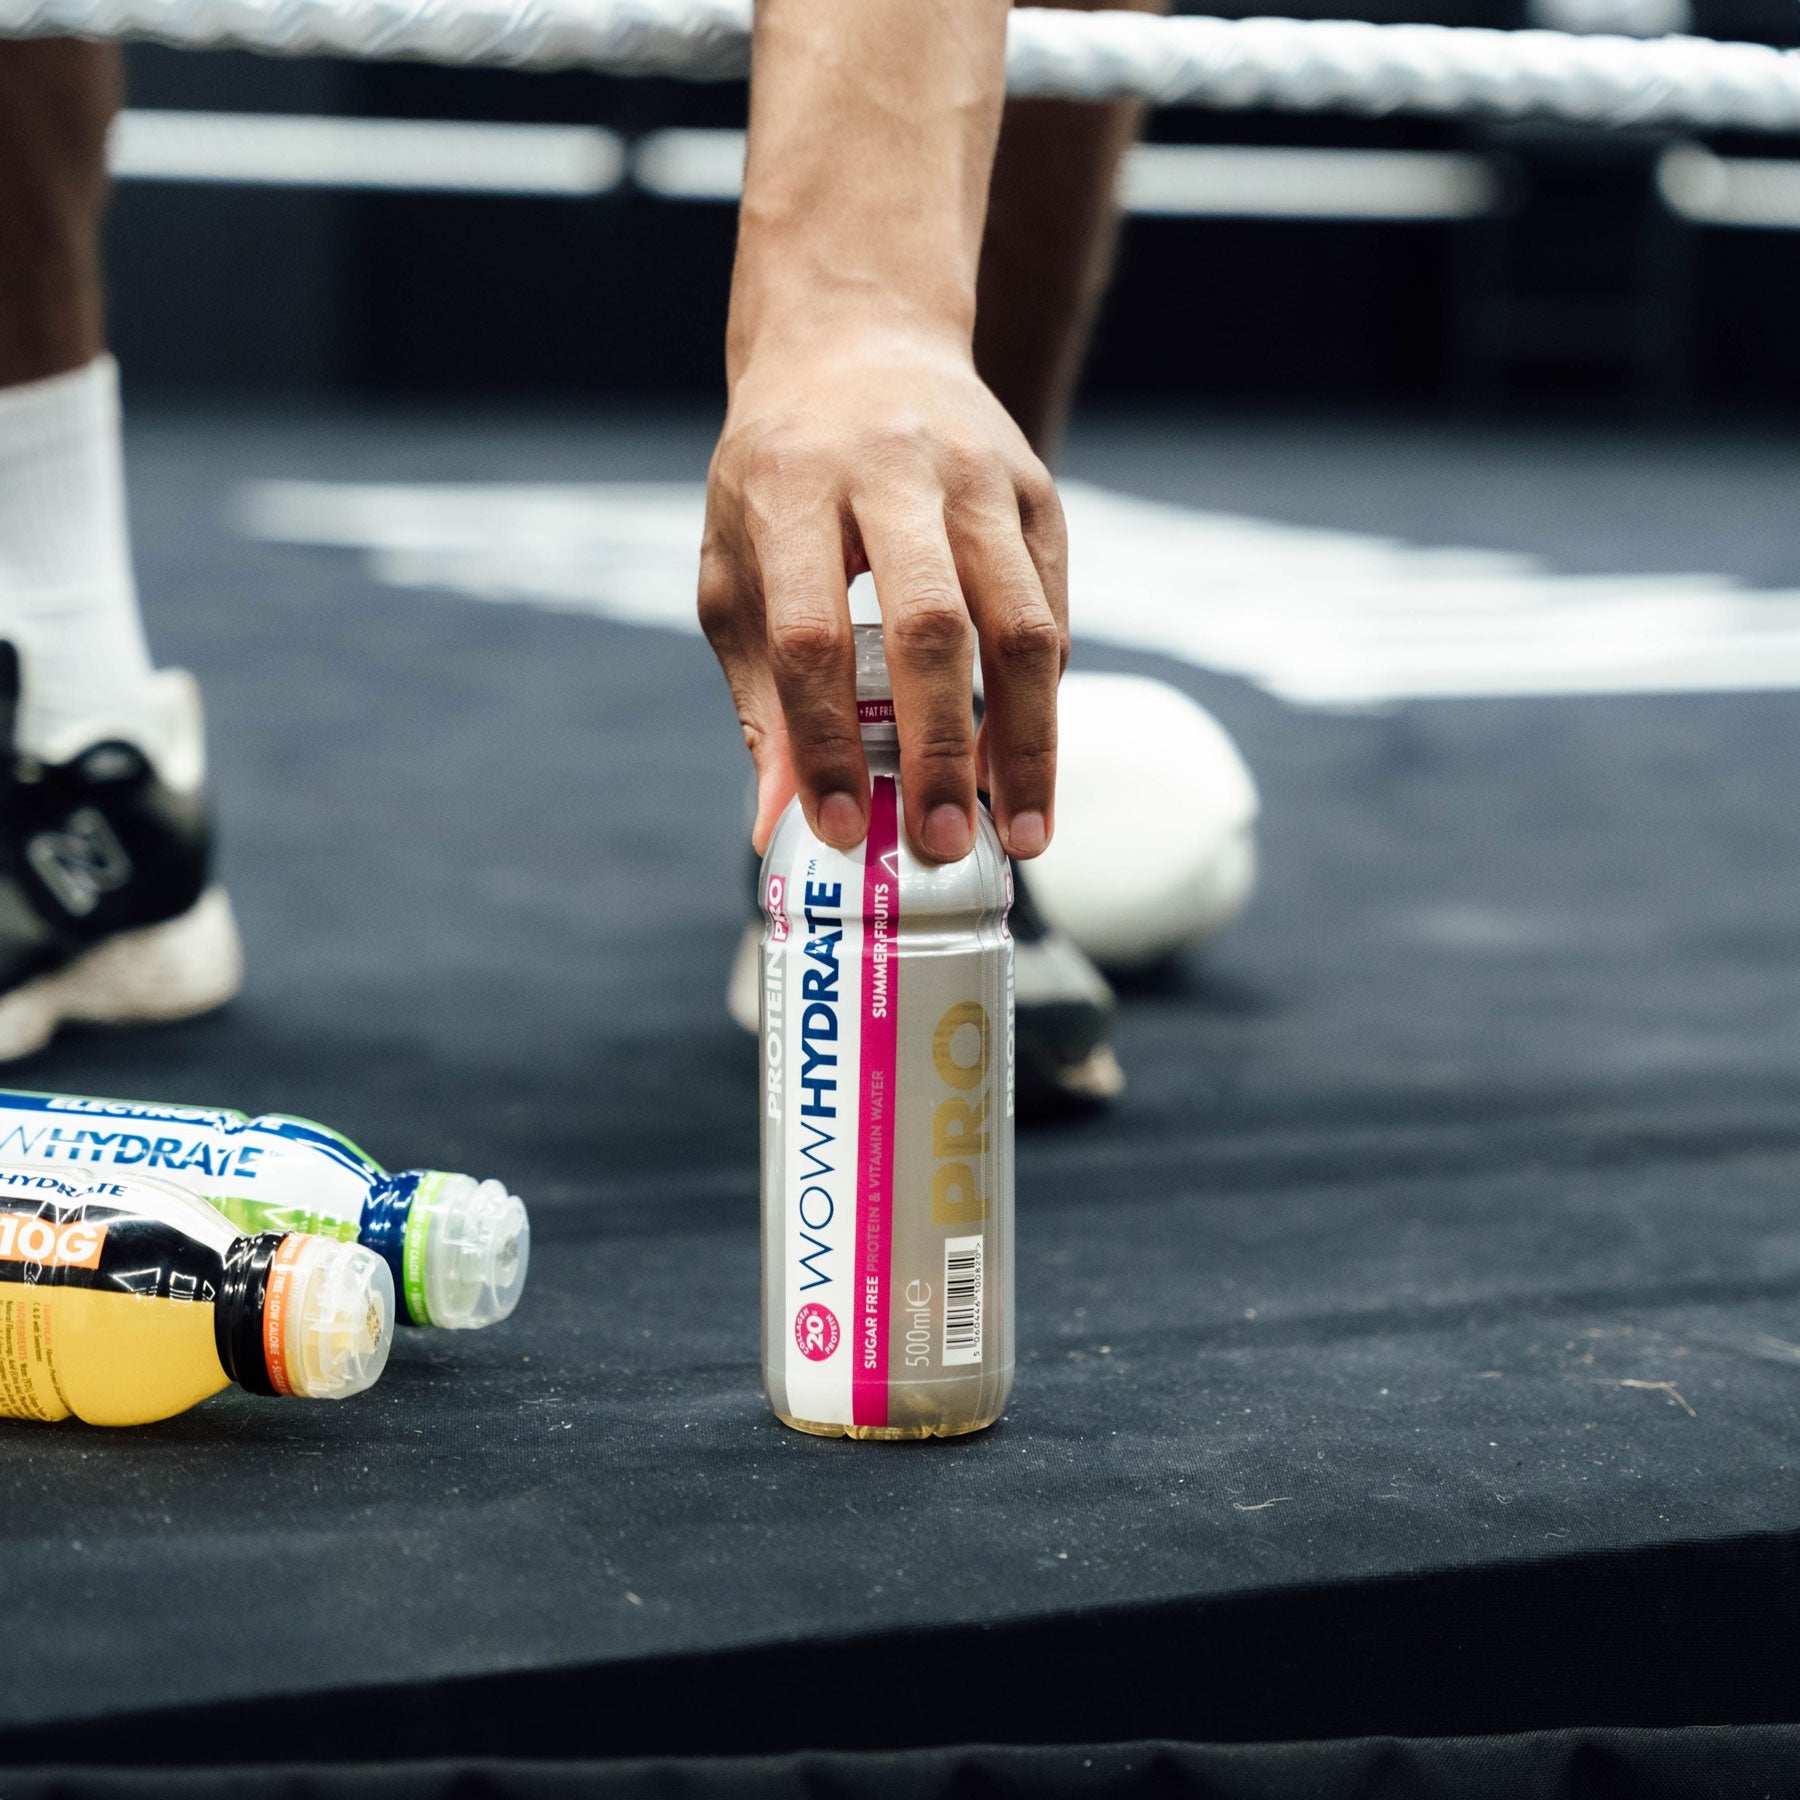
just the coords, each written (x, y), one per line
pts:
(859, 436)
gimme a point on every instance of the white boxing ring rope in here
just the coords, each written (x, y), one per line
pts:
(1284, 64)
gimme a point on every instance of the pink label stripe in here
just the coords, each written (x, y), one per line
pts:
(875, 1109)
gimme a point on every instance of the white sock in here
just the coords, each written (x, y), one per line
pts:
(67, 597)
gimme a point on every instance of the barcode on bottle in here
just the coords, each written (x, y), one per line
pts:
(962, 1300)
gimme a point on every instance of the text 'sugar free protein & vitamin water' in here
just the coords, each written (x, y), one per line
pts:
(127, 1301)
(458, 1248)
(887, 1119)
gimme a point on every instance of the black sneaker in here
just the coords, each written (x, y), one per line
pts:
(108, 914)
(1063, 1015)
(1063, 1009)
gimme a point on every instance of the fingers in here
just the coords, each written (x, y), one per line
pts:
(731, 615)
(798, 540)
(966, 545)
(1046, 542)
(1024, 648)
(930, 646)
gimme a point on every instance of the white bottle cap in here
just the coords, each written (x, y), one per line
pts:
(333, 1318)
(475, 1250)
(874, 689)
(872, 679)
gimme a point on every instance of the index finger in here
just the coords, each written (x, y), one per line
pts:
(812, 657)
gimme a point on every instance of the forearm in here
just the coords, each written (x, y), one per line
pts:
(872, 133)
(859, 435)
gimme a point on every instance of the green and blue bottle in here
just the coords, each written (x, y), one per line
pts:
(458, 1248)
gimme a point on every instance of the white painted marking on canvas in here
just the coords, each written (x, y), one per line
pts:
(1320, 618)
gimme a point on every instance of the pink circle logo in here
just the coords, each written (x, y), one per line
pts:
(816, 1331)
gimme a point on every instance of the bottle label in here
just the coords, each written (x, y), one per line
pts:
(267, 1174)
(28, 1387)
(887, 1144)
(275, 1314)
(68, 1251)
(875, 1101)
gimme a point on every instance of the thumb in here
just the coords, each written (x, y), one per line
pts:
(765, 732)
(731, 617)
(774, 789)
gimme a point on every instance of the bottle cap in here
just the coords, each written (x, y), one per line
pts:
(328, 1318)
(874, 686)
(468, 1246)
(872, 681)
(872, 665)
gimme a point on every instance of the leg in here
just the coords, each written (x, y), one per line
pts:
(67, 598)
(109, 915)
(57, 98)
(1052, 223)
(1048, 252)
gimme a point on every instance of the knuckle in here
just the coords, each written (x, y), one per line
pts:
(941, 755)
(894, 438)
(721, 465)
(722, 611)
(778, 471)
(720, 604)
(717, 618)
(720, 626)
(810, 640)
(730, 460)
(1040, 510)
(970, 466)
(1037, 492)
(931, 625)
(753, 720)
(825, 753)
(1028, 639)
(1029, 761)
(773, 458)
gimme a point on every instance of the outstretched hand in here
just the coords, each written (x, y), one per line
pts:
(880, 449)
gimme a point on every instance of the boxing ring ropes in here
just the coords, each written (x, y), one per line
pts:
(1278, 64)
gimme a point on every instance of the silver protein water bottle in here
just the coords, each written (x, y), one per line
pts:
(887, 1118)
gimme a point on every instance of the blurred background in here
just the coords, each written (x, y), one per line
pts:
(1413, 264)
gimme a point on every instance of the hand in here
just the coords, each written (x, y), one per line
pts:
(879, 448)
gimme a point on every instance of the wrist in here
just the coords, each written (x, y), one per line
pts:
(794, 285)
(871, 145)
(839, 316)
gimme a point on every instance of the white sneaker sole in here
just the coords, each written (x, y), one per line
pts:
(176, 970)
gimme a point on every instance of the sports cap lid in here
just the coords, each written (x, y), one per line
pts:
(472, 1254)
(328, 1318)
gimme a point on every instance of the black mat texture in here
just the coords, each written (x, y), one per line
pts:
(1565, 1765)
(1412, 1354)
